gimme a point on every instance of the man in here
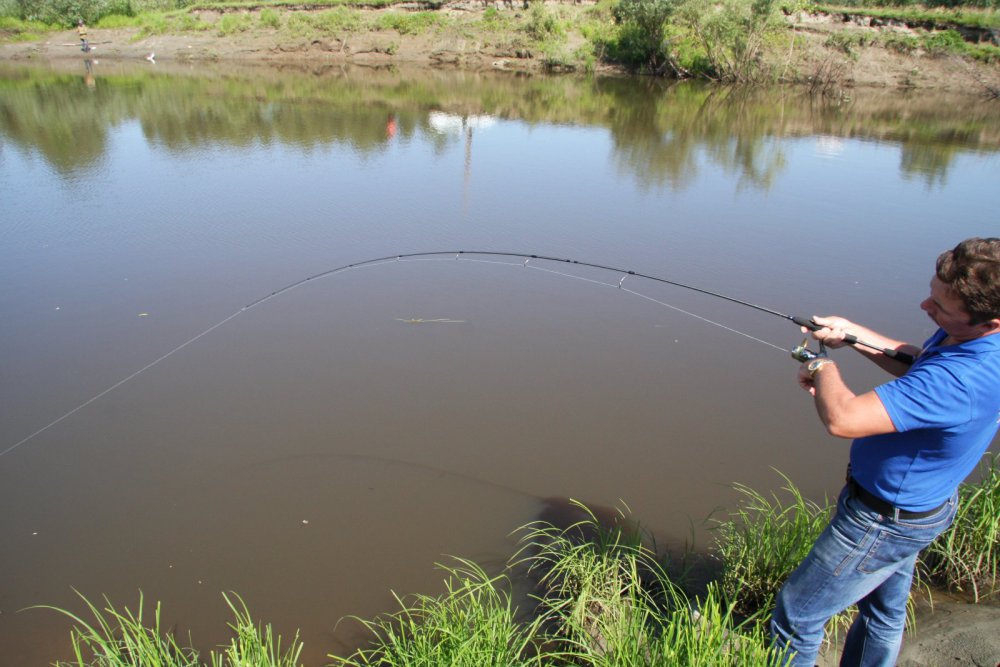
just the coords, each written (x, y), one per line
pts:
(81, 30)
(916, 438)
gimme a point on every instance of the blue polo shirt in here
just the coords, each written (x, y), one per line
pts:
(946, 411)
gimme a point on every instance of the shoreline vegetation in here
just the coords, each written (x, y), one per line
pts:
(602, 596)
(825, 47)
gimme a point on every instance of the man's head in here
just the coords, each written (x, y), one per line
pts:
(972, 273)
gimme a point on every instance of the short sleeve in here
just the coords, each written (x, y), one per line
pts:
(929, 396)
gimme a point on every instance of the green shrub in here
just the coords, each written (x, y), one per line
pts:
(67, 12)
(114, 21)
(231, 24)
(337, 20)
(269, 18)
(640, 39)
(944, 42)
(153, 24)
(542, 23)
(732, 34)
(406, 23)
(16, 29)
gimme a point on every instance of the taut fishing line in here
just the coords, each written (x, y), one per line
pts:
(479, 256)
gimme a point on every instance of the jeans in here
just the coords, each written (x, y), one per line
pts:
(861, 557)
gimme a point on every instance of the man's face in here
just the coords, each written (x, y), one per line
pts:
(948, 312)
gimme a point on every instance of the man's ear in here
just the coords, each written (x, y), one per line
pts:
(990, 326)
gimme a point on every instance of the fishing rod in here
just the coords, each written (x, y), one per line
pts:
(799, 352)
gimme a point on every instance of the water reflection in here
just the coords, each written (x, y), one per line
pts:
(662, 133)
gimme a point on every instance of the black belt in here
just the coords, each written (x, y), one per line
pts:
(882, 507)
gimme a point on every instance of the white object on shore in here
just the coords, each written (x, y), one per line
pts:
(151, 58)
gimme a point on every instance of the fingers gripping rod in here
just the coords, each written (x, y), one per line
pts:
(850, 339)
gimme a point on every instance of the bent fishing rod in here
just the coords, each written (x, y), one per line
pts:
(800, 352)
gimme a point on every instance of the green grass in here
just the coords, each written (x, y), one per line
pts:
(269, 18)
(408, 23)
(123, 638)
(960, 16)
(15, 30)
(763, 540)
(474, 623)
(608, 598)
(231, 24)
(967, 556)
(940, 43)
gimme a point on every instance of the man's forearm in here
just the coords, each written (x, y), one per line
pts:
(844, 413)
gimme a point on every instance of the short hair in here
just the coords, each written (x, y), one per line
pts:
(972, 271)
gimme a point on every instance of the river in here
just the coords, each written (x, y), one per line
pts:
(328, 445)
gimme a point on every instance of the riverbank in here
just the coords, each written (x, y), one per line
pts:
(829, 52)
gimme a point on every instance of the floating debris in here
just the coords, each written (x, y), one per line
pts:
(420, 320)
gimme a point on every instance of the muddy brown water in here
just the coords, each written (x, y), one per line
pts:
(329, 445)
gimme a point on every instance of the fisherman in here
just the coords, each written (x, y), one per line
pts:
(915, 439)
(81, 30)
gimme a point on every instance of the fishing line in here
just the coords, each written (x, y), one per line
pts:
(470, 256)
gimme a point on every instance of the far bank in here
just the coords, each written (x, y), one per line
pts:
(829, 52)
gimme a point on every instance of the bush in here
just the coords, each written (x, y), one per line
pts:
(67, 12)
(542, 23)
(944, 42)
(732, 34)
(230, 24)
(270, 18)
(407, 23)
(640, 41)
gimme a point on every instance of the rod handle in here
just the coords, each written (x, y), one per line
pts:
(903, 357)
(810, 324)
(851, 339)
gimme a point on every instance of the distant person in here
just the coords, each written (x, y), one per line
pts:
(916, 438)
(390, 126)
(81, 30)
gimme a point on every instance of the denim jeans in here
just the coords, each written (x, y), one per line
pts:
(861, 557)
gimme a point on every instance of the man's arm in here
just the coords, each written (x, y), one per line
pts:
(835, 328)
(843, 413)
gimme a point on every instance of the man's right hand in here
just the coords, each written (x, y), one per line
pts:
(833, 330)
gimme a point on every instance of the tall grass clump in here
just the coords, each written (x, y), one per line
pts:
(123, 638)
(473, 623)
(608, 601)
(763, 541)
(254, 645)
(408, 23)
(269, 18)
(231, 24)
(967, 556)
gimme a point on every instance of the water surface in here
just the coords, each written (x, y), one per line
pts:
(330, 444)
